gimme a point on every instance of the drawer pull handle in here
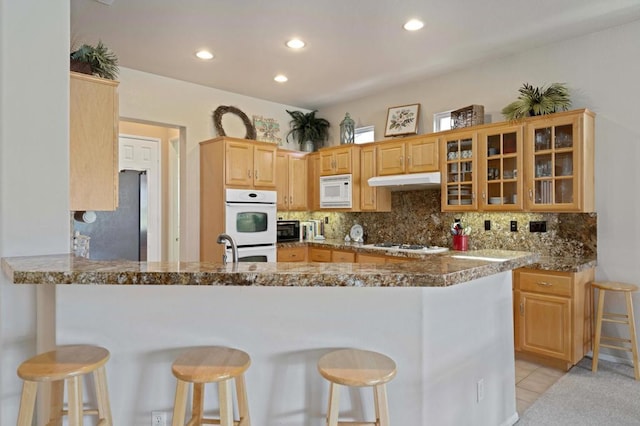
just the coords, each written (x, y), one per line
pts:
(544, 284)
(521, 308)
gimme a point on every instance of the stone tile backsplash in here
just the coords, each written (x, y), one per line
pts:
(415, 218)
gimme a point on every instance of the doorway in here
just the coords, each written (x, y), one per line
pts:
(170, 141)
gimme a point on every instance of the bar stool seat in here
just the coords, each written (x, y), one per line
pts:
(211, 364)
(359, 368)
(630, 344)
(66, 364)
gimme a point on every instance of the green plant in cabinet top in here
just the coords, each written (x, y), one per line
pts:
(538, 101)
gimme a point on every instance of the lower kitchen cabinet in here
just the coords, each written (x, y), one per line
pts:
(292, 254)
(343, 256)
(553, 315)
(319, 254)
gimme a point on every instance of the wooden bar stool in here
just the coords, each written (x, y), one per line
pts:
(208, 365)
(66, 364)
(627, 289)
(355, 367)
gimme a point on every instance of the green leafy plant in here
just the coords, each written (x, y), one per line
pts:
(307, 127)
(538, 101)
(101, 61)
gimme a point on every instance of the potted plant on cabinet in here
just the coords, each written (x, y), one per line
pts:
(96, 60)
(538, 101)
(307, 129)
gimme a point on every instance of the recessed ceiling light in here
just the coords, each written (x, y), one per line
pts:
(295, 43)
(413, 25)
(204, 55)
(280, 78)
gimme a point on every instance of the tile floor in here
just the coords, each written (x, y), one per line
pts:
(532, 380)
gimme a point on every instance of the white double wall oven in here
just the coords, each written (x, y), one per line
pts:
(250, 219)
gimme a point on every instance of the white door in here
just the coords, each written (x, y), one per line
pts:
(143, 154)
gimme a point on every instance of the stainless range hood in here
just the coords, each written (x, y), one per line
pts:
(408, 182)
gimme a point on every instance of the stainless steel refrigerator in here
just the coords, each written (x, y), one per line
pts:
(121, 234)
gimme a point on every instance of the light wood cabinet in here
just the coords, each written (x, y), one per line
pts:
(250, 164)
(372, 198)
(343, 256)
(291, 180)
(460, 165)
(553, 314)
(319, 254)
(500, 168)
(229, 163)
(339, 160)
(292, 254)
(412, 155)
(93, 143)
(313, 181)
(559, 162)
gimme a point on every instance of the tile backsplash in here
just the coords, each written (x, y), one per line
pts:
(415, 218)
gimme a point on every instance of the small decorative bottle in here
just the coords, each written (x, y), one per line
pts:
(347, 130)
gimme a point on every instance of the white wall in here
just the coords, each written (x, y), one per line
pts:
(602, 71)
(34, 206)
(149, 97)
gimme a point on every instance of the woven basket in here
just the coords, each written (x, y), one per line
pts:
(467, 116)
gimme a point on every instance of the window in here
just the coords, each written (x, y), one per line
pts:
(364, 134)
(441, 121)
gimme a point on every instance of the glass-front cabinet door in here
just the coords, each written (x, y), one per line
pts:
(501, 174)
(555, 163)
(460, 165)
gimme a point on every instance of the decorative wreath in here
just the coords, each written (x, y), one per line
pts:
(222, 110)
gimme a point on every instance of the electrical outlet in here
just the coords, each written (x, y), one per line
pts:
(480, 390)
(487, 225)
(514, 226)
(158, 418)
(326, 219)
(538, 226)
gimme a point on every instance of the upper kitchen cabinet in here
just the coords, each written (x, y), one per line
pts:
(250, 164)
(339, 160)
(372, 198)
(93, 143)
(411, 155)
(291, 180)
(460, 171)
(559, 162)
(500, 168)
(313, 181)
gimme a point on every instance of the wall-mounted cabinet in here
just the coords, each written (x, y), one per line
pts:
(291, 180)
(93, 143)
(250, 164)
(371, 198)
(500, 168)
(313, 181)
(559, 162)
(339, 160)
(460, 165)
(412, 155)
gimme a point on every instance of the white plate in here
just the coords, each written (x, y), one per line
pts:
(356, 233)
(455, 202)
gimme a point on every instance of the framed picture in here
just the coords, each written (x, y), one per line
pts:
(402, 120)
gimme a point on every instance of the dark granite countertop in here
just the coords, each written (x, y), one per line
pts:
(436, 270)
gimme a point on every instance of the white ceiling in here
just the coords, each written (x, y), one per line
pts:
(354, 47)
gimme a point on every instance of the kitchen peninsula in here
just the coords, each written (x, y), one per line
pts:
(446, 321)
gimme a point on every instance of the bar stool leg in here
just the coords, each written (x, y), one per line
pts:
(180, 403)
(27, 403)
(56, 396)
(382, 407)
(333, 409)
(197, 404)
(243, 402)
(102, 394)
(632, 332)
(596, 343)
(226, 404)
(74, 387)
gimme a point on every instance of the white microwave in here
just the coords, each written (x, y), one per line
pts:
(336, 191)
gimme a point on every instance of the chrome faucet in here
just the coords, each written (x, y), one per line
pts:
(222, 238)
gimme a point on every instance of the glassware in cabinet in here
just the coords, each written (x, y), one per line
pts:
(460, 167)
(500, 184)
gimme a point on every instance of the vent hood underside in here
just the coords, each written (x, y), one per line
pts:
(408, 182)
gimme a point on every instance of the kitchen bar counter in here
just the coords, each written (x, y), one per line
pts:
(434, 270)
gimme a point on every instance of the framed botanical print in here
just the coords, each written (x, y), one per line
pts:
(402, 120)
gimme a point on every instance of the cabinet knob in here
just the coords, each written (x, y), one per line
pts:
(256, 174)
(401, 159)
(248, 173)
(409, 160)
(484, 196)
(530, 194)
(290, 199)
(521, 308)
(544, 284)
